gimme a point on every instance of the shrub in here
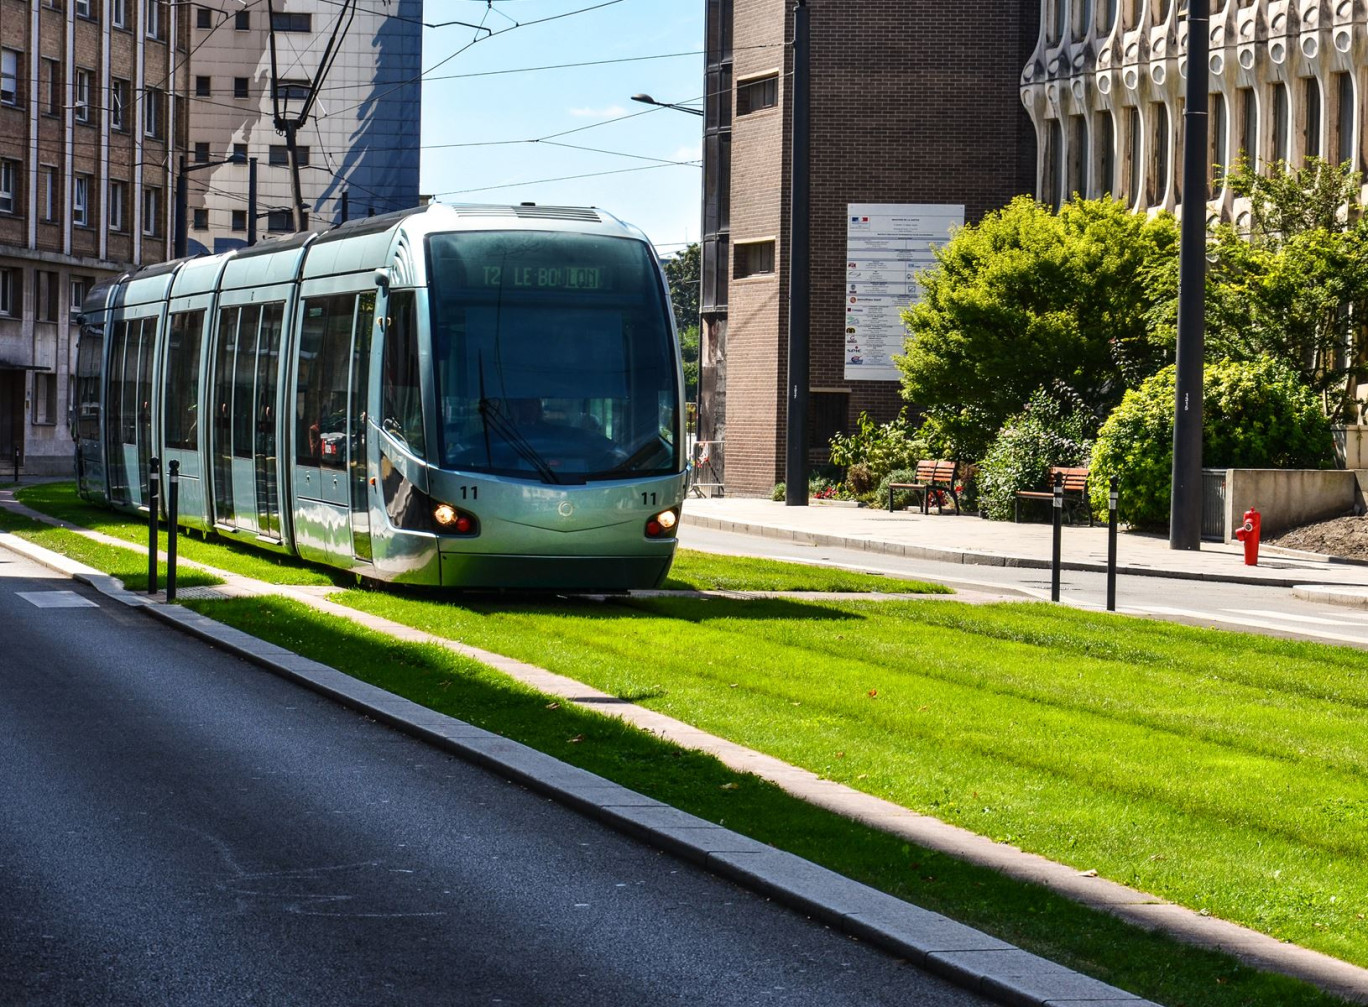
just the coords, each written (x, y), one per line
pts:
(1255, 414)
(879, 447)
(1043, 434)
(779, 493)
(879, 497)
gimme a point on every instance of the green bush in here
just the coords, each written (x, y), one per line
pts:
(879, 496)
(1043, 434)
(1255, 414)
(879, 448)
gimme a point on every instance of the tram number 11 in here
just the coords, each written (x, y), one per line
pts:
(648, 499)
(470, 492)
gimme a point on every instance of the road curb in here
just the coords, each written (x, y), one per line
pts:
(1350, 597)
(961, 954)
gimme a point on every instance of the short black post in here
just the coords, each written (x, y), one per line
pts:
(1058, 525)
(172, 519)
(153, 479)
(1111, 542)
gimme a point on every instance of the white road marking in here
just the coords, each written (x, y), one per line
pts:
(56, 599)
(1347, 619)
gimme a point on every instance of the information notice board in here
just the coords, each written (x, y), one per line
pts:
(887, 244)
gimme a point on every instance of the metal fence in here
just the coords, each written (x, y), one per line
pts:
(1213, 505)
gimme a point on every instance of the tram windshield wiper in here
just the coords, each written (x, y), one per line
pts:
(492, 415)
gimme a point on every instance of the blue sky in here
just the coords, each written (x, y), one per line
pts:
(485, 112)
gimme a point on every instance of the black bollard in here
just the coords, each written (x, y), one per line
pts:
(152, 480)
(1112, 496)
(172, 518)
(1058, 524)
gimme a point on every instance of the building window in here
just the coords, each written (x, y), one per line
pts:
(152, 18)
(1216, 154)
(280, 155)
(201, 152)
(118, 200)
(81, 105)
(11, 293)
(153, 108)
(239, 220)
(1159, 155)
(1344, 120)
(9, 186)
(151, 217)
(44, 399)
(118, 104)
(47, 299)
(1133, 163)
(202, 87)
(754, 95)
(1077, 182)
(9, 77)
(1249, 126)
(1106, 151)
(240, 153)
(752, 258)
(242, 21)
(296, 89)
(79, 286)
(82, 8)
(280, 220)
(80, 200)
(50, 195)
(201, 219)
(239, 87)
(204, 17)
(291, 22)
(52, 87)
(118, 13)
(1311, 136)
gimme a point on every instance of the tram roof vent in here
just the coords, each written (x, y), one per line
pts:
(529, 210)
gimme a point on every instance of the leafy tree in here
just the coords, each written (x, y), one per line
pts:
(1030, 299)
(684, 271)
(688, 349)
(1043, 434)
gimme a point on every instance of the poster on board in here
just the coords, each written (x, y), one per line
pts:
(886, 245)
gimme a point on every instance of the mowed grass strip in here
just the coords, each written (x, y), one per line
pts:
(1218, 770)
(125, 564)
(1148, 964)
(59, 500)
(704, 571)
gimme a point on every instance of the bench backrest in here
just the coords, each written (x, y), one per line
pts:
(935, 472)
(1075, 480)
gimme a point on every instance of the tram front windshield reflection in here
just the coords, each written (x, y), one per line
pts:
(553, 356)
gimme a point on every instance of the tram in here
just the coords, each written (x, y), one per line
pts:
(457, 396)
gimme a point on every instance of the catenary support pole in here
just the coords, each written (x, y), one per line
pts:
(1185, 515)
(251, 201)
(796, 467)
(1058, 531)
(153, 478)
(1112, 497)
(172, 521)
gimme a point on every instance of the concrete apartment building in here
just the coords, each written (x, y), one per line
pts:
(914, 105)
(91, 110)
(359, 147)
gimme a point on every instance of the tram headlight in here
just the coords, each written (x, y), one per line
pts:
(663, 525)
(452, 521)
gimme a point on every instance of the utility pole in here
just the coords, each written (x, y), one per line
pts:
(796, 468)
(1185, 515)
(179, 219)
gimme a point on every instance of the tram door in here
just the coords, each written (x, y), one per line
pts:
(128, 419)
(359, 415)
(246, 365)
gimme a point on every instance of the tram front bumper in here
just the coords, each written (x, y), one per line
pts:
(554, 573)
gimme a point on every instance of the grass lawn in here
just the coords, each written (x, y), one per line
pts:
(1223, 771)
(705, 571)
(1150, 965)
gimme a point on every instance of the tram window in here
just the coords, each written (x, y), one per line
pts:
(244, 375)
(89, 351)
(182, 380)
(401, 405)
(321, 408)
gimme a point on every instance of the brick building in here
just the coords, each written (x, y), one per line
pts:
(916, 102)
(91, 108)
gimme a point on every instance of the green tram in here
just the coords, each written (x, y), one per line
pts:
(458, 396)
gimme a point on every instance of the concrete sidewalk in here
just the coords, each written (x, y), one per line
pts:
(973, 541)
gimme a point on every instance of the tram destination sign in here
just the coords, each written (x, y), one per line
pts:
(887, 244)
(540, 277)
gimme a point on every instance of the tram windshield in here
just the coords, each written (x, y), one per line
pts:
(553, 356)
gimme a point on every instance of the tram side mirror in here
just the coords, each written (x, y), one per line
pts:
(382, 279)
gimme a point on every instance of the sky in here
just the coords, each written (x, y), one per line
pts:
(476, 114)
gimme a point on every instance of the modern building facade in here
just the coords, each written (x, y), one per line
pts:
(914, 105)
(91, 110)
(1105, 85)
(358, 148)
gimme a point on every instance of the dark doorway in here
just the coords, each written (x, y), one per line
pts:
(11, 418)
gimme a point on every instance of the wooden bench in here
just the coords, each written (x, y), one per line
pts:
(1075, 493)
(932, 478)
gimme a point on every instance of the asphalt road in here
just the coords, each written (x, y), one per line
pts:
(1269, 610)
(179, 827)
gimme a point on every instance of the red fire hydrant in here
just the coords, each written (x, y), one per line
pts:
(1249, 535)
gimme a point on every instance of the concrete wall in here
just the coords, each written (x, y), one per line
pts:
(1286, 498)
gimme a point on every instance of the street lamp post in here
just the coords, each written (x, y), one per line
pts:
(646, 99)
(182, 198)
